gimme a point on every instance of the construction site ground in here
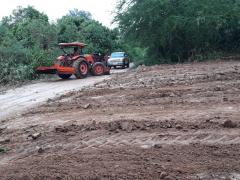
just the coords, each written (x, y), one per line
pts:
(161, 122)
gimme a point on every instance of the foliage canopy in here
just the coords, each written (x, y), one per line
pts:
(178, 30)
(28, 40)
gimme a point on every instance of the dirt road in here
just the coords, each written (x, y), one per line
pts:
(20, 99)
(162, 122)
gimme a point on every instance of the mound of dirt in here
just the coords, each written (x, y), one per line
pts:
(162, 122)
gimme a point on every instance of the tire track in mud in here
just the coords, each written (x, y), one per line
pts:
(136, 139)
(150, 140)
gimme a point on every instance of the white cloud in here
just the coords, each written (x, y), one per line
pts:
(101, 10)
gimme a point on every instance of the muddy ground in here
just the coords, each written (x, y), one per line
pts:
(160, 122)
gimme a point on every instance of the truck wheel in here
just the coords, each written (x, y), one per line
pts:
(127, 65)
(98, 69)
(64, 76)
(81, 68)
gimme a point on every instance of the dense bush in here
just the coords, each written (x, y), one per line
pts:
(98, 37)
(153, 31)
(180, 30)
(28, 40)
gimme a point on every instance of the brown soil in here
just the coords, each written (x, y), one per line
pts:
(160, 122)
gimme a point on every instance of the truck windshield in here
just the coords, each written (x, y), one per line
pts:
(117, 55)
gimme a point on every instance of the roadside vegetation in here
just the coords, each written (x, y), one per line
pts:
(28, 39)
(151, 32)
(175, 31)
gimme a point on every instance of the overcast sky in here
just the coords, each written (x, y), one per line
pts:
(101, 10)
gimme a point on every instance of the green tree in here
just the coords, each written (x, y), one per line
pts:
(177, 30)
(28, 40)
(84, 29)
(80, 13)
